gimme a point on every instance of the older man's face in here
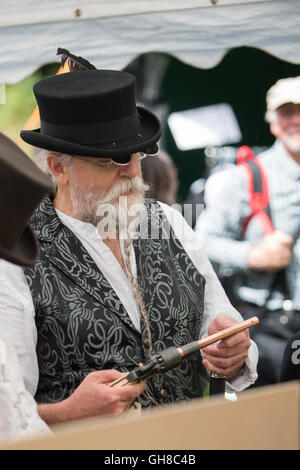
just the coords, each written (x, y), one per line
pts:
(92, 182)
(287, 127)
(101, 174)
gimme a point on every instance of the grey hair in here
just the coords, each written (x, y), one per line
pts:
(271, 116)
(63, 158)
(40, 159)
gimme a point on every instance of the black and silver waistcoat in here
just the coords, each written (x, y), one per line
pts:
(83, 326)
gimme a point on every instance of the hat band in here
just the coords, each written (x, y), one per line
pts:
(94, 132)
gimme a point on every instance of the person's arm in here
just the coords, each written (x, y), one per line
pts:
(235, 354)
(92, 398)
(221, 222)
(218, 314)
(274, 252)
(19, 418)
(17, 317)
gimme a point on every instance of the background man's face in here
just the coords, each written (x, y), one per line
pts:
(287, 126)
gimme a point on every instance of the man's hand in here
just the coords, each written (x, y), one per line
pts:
(273, 253)
(228, 355)
(93, 397)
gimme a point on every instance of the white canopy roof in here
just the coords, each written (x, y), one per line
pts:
(110, 33)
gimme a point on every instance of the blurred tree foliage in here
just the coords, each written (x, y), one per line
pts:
(20, 103)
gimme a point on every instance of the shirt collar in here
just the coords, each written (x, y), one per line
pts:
(78, 226)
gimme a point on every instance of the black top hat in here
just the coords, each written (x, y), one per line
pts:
(22, 186)
(93, 113)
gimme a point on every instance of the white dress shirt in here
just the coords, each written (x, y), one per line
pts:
(19, 418)
(17, 311)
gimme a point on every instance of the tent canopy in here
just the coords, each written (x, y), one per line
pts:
(112, 33)
(239, 48)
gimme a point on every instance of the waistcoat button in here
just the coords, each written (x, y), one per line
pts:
(164, 393)
(147, 342)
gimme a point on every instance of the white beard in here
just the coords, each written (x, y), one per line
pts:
(292, 143)
(112, 211)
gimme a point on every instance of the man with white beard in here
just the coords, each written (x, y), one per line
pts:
(255, 257)
(105, 295)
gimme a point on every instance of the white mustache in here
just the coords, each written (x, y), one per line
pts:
(135, 184)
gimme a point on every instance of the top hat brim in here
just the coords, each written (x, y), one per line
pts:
(144, 141)
(29, 185)
(25, 251)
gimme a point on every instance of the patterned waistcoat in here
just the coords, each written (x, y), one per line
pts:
(83, 326)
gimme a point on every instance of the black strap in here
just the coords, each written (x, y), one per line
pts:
(279, 279)
(258, 183)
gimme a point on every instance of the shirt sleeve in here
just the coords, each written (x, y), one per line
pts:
(17, 317)
(19, 418)
(215, 300)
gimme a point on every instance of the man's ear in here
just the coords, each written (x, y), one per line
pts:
(58, 170)
(275, 129)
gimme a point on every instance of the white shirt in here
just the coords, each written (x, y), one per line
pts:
(17, 313)
(19, 418)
